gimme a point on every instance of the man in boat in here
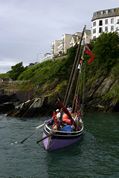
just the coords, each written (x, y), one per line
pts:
(58, 114)
(61, 120)
(76, 121)
(56, 118)
(65, 117)
(67, 124)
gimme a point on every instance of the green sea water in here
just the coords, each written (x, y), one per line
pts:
(96, 156)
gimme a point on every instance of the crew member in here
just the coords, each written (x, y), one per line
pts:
(66, 119)
(56, 118)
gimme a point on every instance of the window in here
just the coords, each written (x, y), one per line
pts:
(117, 29)
(106, 21)
(100, 30)
(117, 21)
(98, 13)
(94, 30)
(106, 29)
(94, 23)
(112, 20)
(104, 12)
(94, 37)
(100, 22)
(112, 28)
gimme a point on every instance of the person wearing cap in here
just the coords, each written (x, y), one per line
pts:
(58, 114)
(56, 119)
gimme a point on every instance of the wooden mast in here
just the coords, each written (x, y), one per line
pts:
(74, 70)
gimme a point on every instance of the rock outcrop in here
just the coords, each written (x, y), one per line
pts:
(7, 103)
(32, 108)
(101, 95)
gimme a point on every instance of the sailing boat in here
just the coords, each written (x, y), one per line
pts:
(54, 139)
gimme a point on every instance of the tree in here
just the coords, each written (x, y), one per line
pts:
(106, 48)
(16, 70)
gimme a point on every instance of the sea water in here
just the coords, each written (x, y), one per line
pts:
(96, 156)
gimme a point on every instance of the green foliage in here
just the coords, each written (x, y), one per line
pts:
(26, 86)
(113, 94)
(16, 70)
(4, 75)
(106, 49)
(71, 52)
(48, 71)
(61, 87)
(115, 71)
(50, 77)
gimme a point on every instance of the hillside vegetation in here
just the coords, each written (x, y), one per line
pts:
(101, 77)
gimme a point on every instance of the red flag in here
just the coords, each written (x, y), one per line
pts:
(89, 52)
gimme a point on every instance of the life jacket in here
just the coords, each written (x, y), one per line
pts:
(66, 119)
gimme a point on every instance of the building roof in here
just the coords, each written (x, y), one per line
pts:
(105, 13)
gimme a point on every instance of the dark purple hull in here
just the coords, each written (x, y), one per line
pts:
(60, 139)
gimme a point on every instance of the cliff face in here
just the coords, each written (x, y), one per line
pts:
(102, 76)
(103, 94)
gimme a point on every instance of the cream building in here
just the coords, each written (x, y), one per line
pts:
(69, 40)
(87, 36)
(57, 47)
(105, 21)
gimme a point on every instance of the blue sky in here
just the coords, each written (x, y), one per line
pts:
(28, 27)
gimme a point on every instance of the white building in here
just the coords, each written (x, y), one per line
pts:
(87, 36)
(60, 47)
(75, 39)
(57, 47)
(105, 21)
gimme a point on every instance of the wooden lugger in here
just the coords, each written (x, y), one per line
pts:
(57, 139)
(67, 126)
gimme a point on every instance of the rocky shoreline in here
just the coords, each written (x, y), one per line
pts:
(12, 106)
(40, 106)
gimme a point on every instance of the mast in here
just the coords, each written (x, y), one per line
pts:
(74, 70)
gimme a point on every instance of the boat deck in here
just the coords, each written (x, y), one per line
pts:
(48, 129)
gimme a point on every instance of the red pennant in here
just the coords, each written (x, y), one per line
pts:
(89, 52)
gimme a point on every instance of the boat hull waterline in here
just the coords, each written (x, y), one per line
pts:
(59, 139)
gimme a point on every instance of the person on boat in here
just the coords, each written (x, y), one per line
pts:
(78, 120)
(58, 114)
(66, 119)
(56, 119)
(68, 125)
